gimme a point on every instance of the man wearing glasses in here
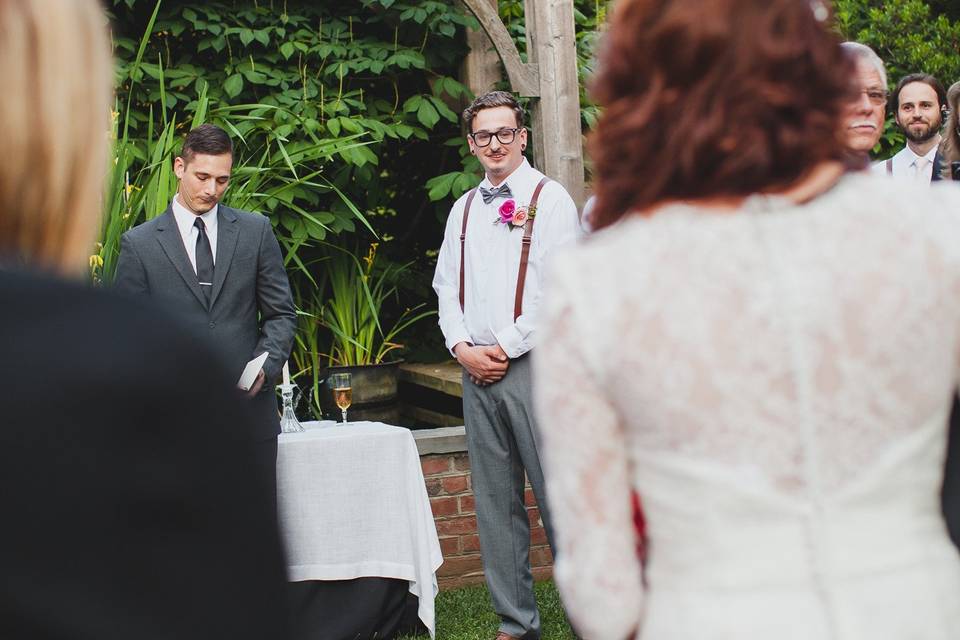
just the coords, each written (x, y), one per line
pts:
(488, 282)
(863, 122)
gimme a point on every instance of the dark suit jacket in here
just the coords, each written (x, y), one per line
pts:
(251, 309)
(951, 476)
(132, 505)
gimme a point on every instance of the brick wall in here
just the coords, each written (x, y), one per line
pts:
(447, 476)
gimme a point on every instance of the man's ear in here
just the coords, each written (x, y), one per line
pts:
(179, 167)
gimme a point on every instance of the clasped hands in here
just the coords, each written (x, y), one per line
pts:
(484, 364)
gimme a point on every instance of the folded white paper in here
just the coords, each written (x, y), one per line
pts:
(251, 371)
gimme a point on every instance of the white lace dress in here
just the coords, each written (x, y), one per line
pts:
(775, 384)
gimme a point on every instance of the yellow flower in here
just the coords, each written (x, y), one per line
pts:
(371, 255)
(96, 262)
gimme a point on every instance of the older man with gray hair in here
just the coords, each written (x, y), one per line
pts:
(865, 116)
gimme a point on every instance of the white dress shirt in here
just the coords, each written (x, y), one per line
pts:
(492, 257)
(185, 219)
(905, 164)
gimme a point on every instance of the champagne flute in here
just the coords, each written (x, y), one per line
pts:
(342, 392)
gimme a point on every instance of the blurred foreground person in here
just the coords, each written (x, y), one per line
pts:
(761, 344)
(131, 503)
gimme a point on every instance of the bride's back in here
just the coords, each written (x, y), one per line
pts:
(745, 338)
(782, 375)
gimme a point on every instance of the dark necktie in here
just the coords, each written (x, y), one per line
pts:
(489, 195)
(204, 259)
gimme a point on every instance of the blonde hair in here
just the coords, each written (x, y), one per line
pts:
(56, 68)
(950, 147)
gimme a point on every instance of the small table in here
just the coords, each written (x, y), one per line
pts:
(352, 503)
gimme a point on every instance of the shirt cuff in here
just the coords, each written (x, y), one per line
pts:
(456, 339)
(511, 341)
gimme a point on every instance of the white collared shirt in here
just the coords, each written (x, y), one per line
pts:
(904, 164)
(492, 257)
(188, 232)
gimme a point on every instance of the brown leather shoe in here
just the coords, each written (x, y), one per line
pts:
(505, 636)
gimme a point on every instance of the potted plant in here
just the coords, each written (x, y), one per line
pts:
(362, 343)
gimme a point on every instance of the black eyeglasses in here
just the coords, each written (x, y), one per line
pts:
(484, 138)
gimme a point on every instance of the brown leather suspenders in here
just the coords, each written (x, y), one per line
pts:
(463, 237)
(524, 252)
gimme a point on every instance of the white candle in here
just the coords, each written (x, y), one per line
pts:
(286, 373)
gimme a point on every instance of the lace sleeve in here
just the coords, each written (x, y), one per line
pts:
(587, 473)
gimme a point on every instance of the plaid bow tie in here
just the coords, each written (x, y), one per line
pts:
(489, 195)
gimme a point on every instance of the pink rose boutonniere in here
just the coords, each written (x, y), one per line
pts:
(507, 210)
(511, 214)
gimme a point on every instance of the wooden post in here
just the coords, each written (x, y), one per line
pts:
(549, 76)
(557, 138)
(481, 68)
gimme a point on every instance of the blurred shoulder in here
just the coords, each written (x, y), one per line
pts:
(595, 261)
(85, 326)
(904, 201)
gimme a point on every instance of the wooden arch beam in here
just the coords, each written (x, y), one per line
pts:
(524, 77)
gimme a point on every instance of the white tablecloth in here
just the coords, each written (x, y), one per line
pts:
(353, 503)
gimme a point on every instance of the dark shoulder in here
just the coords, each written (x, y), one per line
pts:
(72, 327)
(246, 218)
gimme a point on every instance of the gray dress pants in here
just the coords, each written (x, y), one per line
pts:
(502, 443)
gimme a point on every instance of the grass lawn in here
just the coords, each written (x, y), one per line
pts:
(466, 614)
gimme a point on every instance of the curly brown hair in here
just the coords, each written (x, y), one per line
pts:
(708, 98)
(491, 100)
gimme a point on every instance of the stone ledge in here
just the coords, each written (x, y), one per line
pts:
(440, 440)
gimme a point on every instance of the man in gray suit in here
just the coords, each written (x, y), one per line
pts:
(220, 270)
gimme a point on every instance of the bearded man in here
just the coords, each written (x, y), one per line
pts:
(919, 102)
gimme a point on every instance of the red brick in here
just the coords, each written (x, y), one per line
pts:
(528, 498)
(457, 526)
(456, 582)
(434, 465)
(450, 546)
(542, 573)
(468, 504)
(538, 535)
(444, 506)
(540, 557)
(470, 542)
(460, 565)
(455, 484)
(461, 462)
(534, 516)
(434, 486)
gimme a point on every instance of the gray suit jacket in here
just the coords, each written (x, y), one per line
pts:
(251, 309)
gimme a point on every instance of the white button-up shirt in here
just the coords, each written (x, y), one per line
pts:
(189, 233)
(904, 164)
(492, 257)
